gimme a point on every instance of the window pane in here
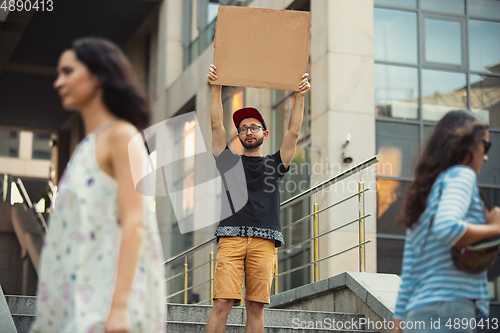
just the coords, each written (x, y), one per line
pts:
(398, 146)
(41, 146)
(389, 255)
(277, 95)
(279, 121)
(484, 8)
(442, 92)
(283, 283)
(485, 98)
(301, 276)
(397, 3)
(443, 42)
(232, 101)
(300, 232)
(9, 143)
(180, 242)
(427, 132)
(210, 33)
(444, 6)
(490, 173)
(395, 36)
(492, 198)
(390, 197)
(305, 128)
(297, 178)
(212, 11)
(484, 46)
(396, 91)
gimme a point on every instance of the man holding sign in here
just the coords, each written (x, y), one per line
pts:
(248, 237)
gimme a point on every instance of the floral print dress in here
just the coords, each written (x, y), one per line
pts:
(80, 256)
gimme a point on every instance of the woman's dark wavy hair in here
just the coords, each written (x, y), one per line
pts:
(453, 141)
(121, 92)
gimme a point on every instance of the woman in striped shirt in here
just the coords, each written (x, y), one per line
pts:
(445, 187)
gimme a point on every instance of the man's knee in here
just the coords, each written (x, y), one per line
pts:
(254, 308)
(223, 305)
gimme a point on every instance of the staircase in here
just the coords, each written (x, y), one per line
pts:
(22, 309)
(192, 318)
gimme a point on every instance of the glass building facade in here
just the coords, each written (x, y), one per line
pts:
(431, 57)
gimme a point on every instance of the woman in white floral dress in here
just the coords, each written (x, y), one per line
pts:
(102, 263)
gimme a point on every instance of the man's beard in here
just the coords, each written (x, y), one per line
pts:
(254, 144)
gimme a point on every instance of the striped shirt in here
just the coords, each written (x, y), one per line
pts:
(430, 276)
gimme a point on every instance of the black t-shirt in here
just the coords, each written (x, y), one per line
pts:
(250, 204)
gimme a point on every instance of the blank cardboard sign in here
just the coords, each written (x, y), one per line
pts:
(261, 48)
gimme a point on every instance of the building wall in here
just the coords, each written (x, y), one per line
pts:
(25, 165)
(342, 104)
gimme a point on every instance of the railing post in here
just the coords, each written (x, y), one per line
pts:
(316, 240)
(212, 274)
(361, 211)
(276, 272)
(185, 279)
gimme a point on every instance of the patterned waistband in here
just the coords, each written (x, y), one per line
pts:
(243, 231)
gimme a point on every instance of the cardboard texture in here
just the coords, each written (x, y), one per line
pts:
(261, 48)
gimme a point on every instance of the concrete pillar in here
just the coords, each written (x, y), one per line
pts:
(342, 103)
(170, 49)
(25, 145)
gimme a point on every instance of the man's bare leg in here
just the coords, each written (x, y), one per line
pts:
(216, 322)
(255, 317)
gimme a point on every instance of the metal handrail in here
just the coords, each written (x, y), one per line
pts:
(182, 254)
(327, 232)
(319, 260)
(313, 190)
(53, 192)
(21, 187)
(186, 289)
(207, 300)
(27, 199)
(341, 176)
(323, 209)
(189, 270)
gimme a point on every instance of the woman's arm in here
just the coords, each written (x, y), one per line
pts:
(476, 232)
(450, 227)
(130, 209)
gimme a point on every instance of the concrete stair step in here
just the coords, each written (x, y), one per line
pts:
(22, 309)
(189, 327)
(23, 322)
(20, 305)
(192, 318)
(237, 316)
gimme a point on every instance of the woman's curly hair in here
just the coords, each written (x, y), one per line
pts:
(453, 141)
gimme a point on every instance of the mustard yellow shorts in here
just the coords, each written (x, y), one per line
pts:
(255, 257)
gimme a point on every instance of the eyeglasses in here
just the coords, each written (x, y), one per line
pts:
(253, 128)
(487, 146)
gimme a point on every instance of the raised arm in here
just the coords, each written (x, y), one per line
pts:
(216, 115)
(295, 123)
